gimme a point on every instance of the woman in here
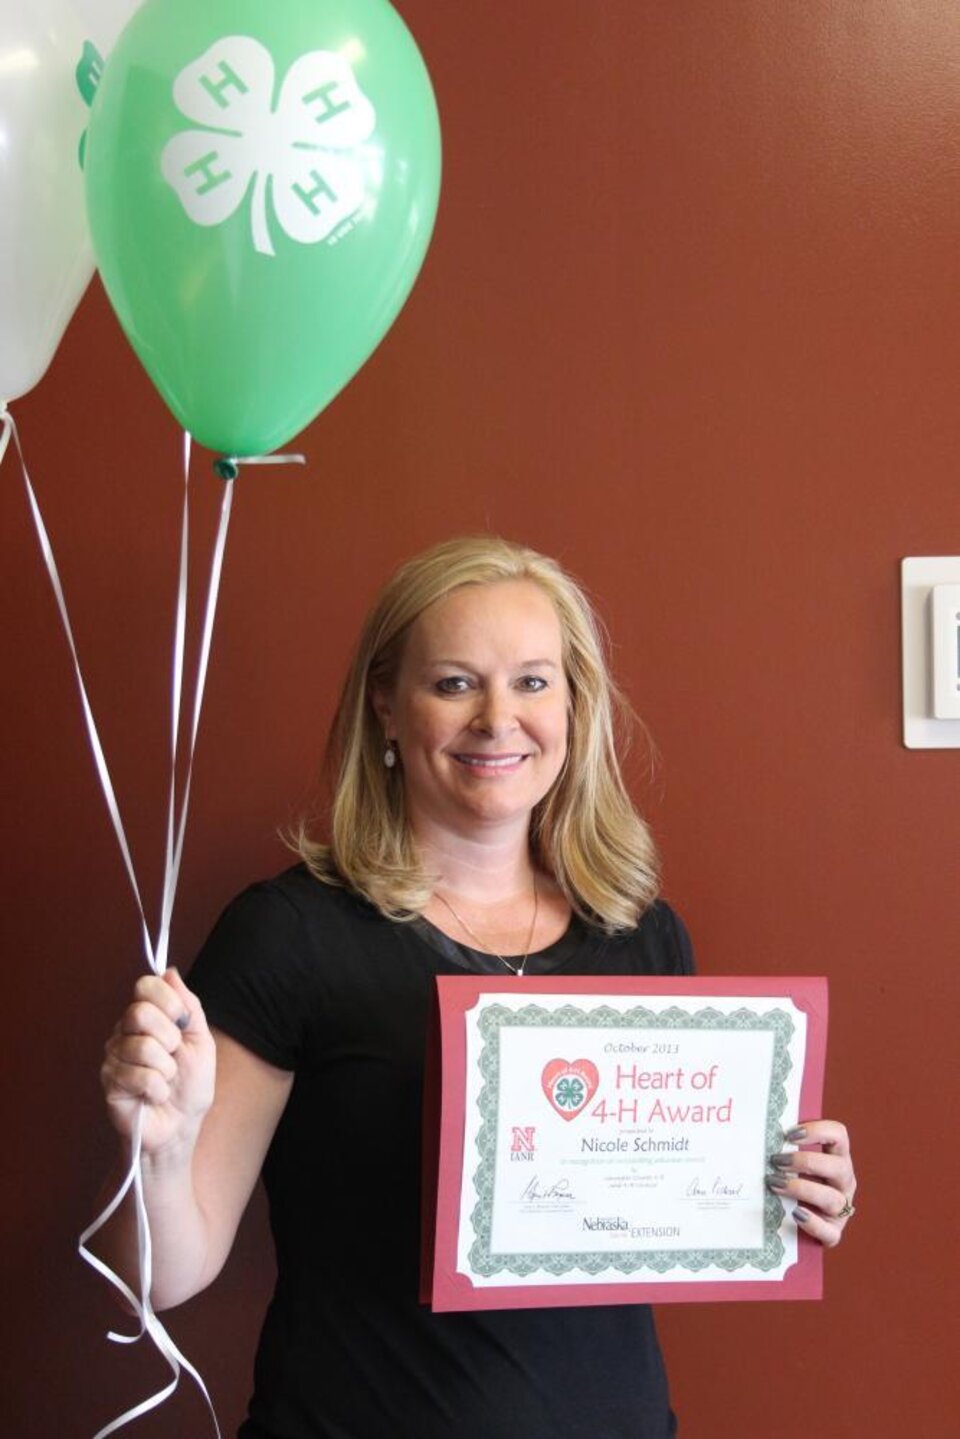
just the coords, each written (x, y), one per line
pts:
(479, 823)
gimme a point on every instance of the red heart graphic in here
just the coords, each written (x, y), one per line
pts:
(569, 1085)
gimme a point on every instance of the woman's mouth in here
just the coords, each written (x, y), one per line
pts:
(490, 763)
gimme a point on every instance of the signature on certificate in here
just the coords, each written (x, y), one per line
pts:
(716, 1188)
(535, 1189)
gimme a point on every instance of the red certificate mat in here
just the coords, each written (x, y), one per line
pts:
(605, 1140)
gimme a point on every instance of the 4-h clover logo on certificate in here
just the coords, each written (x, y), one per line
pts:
(304, 156)
(570, 1085)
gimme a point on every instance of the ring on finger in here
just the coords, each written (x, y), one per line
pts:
(847, 1210)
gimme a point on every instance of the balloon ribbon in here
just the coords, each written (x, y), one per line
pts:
(156, 954)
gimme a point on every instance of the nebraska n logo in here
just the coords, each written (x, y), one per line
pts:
(522, 1142)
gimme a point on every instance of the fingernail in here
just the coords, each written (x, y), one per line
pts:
(794, 1136)
(801, 1215)
(781, 1161)
(776, 1182)
(182, 1021)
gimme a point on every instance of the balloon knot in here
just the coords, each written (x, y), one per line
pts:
(228, 466)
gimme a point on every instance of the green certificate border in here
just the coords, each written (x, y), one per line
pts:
(496, 1017)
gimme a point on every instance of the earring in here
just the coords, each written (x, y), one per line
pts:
(390, 755)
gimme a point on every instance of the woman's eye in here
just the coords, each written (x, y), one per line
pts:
(533, 684)
(453, 685)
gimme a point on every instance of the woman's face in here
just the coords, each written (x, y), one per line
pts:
(479, 707)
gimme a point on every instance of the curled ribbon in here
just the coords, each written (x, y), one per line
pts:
(140, 1303)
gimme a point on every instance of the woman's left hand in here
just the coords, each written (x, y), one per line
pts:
(819, 1177)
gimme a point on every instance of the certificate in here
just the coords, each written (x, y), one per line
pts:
(596, 1141)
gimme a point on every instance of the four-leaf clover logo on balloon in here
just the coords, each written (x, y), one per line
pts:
(304, 157)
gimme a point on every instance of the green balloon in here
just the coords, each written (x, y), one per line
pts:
(262, 181)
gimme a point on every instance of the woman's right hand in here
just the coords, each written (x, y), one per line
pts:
(162, 1056)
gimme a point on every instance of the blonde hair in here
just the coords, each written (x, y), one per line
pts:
(585, 831)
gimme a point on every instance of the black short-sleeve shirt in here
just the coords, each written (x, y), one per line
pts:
(313, 979)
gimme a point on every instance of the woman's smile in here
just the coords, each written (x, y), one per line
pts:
(491, 764)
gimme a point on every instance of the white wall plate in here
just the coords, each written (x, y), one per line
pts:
(917, 578)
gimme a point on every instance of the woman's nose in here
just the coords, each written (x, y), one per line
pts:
(494, 714)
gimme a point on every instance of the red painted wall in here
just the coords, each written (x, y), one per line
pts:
(690, 321)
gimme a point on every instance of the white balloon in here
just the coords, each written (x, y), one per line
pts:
(45, 256)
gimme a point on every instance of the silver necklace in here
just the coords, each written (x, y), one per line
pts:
(484, 947)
